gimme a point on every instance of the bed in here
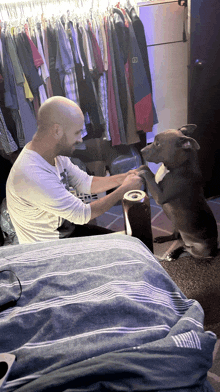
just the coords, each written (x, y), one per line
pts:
(99, 314)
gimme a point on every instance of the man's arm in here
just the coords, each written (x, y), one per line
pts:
(131, 181)
(102, 184)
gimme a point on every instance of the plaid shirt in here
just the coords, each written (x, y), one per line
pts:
(6, 139)
(70, 84)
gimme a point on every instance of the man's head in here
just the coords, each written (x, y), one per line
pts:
(61, 120)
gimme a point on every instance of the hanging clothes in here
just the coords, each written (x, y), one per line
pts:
(13, 137)
(52, 51)
(11, 49)
(97, 51)
(9, 84)
(120, 74)
(79, 73)
(142, 93)
(91, 106)
(44, 70)
(113, 115)
(47, 61)
(115, 83)
(15, 99)
(7, 142)
(102, 82)
(141, 39)
(27, 62)
(65, 64)
(66, 67)
(100, 63)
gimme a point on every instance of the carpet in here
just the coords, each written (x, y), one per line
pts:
(199, 279)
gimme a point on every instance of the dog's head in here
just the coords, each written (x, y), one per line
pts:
(172, 147)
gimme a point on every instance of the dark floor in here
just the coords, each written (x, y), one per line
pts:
(161, 225)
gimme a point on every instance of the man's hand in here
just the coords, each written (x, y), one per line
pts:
(132, 181)
(103, 184)
(133, 171)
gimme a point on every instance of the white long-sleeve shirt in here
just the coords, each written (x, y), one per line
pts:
(38, 197)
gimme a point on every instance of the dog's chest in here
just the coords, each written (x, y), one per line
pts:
(161, 173)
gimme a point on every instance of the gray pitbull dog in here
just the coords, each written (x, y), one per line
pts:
(177, 187)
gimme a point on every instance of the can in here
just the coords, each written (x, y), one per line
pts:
(137, 216)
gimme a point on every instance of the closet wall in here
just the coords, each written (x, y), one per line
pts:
(163, 22)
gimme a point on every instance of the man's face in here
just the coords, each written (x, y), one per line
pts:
(70, 139)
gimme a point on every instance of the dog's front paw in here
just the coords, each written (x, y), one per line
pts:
(166, 238)
(142, 167)
(161, 240)
(169, 257)
(142, 174)
(172, 256)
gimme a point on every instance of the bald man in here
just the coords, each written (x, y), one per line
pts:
(37, 190)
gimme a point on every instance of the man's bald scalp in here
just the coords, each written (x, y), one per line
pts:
(58, 110)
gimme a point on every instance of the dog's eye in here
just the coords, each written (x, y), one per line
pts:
(157, 143)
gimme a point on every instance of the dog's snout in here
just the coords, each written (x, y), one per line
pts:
(144, 150)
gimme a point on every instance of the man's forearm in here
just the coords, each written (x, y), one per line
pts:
(130, 181)
(102, 184)
(102, 205)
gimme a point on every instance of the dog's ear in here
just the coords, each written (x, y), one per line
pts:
(188, 143)
(187, 129)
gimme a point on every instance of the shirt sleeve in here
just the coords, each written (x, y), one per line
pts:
(78, 179)
(45, 192)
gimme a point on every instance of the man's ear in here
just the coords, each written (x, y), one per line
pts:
(188, 143)
(57, 131)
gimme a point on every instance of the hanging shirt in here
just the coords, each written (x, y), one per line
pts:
(75, 47)
(18, 71)
(9, 79)
(142, 94)
(65, 65)
(113, 116)
(24, 52)
(52, 53)
(27, 90)
(105, 49)
(87, 48)
(47, 61)
(141, 39)
(1, 54)
(38, 198)
(38, 61)
(6, 138)
(44, 70)
(96, 51)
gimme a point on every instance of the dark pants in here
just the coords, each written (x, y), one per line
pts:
(87, 230)
(70, 230)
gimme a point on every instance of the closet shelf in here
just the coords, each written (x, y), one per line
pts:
(153, 2)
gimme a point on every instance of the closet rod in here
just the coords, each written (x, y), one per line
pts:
(154, 2)
(166, 43)
(37, 2)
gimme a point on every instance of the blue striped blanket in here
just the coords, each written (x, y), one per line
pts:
(100, 314)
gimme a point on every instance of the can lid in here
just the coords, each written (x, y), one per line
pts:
(134, 195)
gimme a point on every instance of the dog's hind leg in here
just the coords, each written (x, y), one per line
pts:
(206, 249)
(166, 238)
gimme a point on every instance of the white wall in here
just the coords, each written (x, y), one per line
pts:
(168, 63)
